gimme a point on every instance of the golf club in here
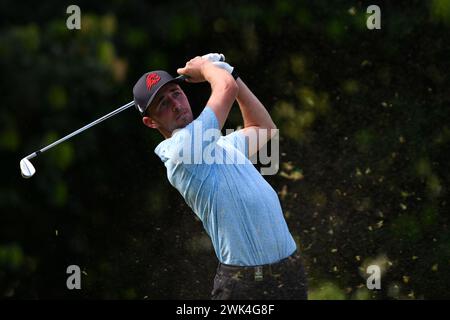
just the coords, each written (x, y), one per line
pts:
(26, 167)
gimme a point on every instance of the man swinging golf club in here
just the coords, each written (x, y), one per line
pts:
(239, 210)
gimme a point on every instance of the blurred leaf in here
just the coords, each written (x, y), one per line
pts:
(11, 257)
(434, 186)
(326, 291)
(351, 87)
(440, 11)
(106, 53)
(57, 97)
(183, 26)
(335, 29)
(361, 294)
(29, 37)
(298, 65)
(109, 24)
(429, 217)
(407, 227)
(9, 139)
(364, 140)
(423, 167)
(136, 38)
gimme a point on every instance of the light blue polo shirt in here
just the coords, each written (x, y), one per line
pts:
(239, 210)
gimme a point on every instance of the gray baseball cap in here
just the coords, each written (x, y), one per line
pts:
(147, 87)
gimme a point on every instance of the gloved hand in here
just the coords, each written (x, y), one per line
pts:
(218, 59)
(213, 57)
(224, 65)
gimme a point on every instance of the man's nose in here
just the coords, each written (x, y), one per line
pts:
(175, 105)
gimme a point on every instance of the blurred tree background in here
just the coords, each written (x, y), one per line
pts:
(364, 126)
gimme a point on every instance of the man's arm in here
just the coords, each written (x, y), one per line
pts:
(253, 111)
(223, 87)
(256, 118)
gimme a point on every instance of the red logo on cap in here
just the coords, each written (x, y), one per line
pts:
(152, 79)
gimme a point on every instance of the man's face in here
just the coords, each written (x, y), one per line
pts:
(169, 110)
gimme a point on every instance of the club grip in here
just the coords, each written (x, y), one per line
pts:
(181, 77)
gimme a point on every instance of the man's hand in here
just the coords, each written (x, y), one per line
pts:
(197, 63)
(193, 69)
(218, 59)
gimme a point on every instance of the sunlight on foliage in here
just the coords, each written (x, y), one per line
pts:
(326, 291)
(440, 11)
(11, 257)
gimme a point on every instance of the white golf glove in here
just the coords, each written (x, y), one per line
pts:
(218, 59)
(224, 65)
(213, 57)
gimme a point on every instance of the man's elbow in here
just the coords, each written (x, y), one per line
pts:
(231, 88)
(272, 126)
(269, 125)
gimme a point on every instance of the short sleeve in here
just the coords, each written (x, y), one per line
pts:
(239, 141)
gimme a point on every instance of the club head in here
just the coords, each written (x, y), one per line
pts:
(26, 168)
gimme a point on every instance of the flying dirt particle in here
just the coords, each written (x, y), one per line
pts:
(379, 224)
(358, 172)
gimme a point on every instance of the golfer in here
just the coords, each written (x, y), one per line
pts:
(240, 211)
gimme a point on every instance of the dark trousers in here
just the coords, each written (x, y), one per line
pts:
(284, 280)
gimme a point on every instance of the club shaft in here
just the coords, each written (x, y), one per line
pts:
(93, 123)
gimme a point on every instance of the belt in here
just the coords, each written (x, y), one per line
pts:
(257, 273)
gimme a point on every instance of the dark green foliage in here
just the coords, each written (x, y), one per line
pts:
(364, 125)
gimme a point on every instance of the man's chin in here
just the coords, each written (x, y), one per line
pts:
(183, 121)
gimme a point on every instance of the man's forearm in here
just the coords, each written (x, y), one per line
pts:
(253, 111)
(223, 91)
(218, 78)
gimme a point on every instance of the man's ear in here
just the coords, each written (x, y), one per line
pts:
(149, 122)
